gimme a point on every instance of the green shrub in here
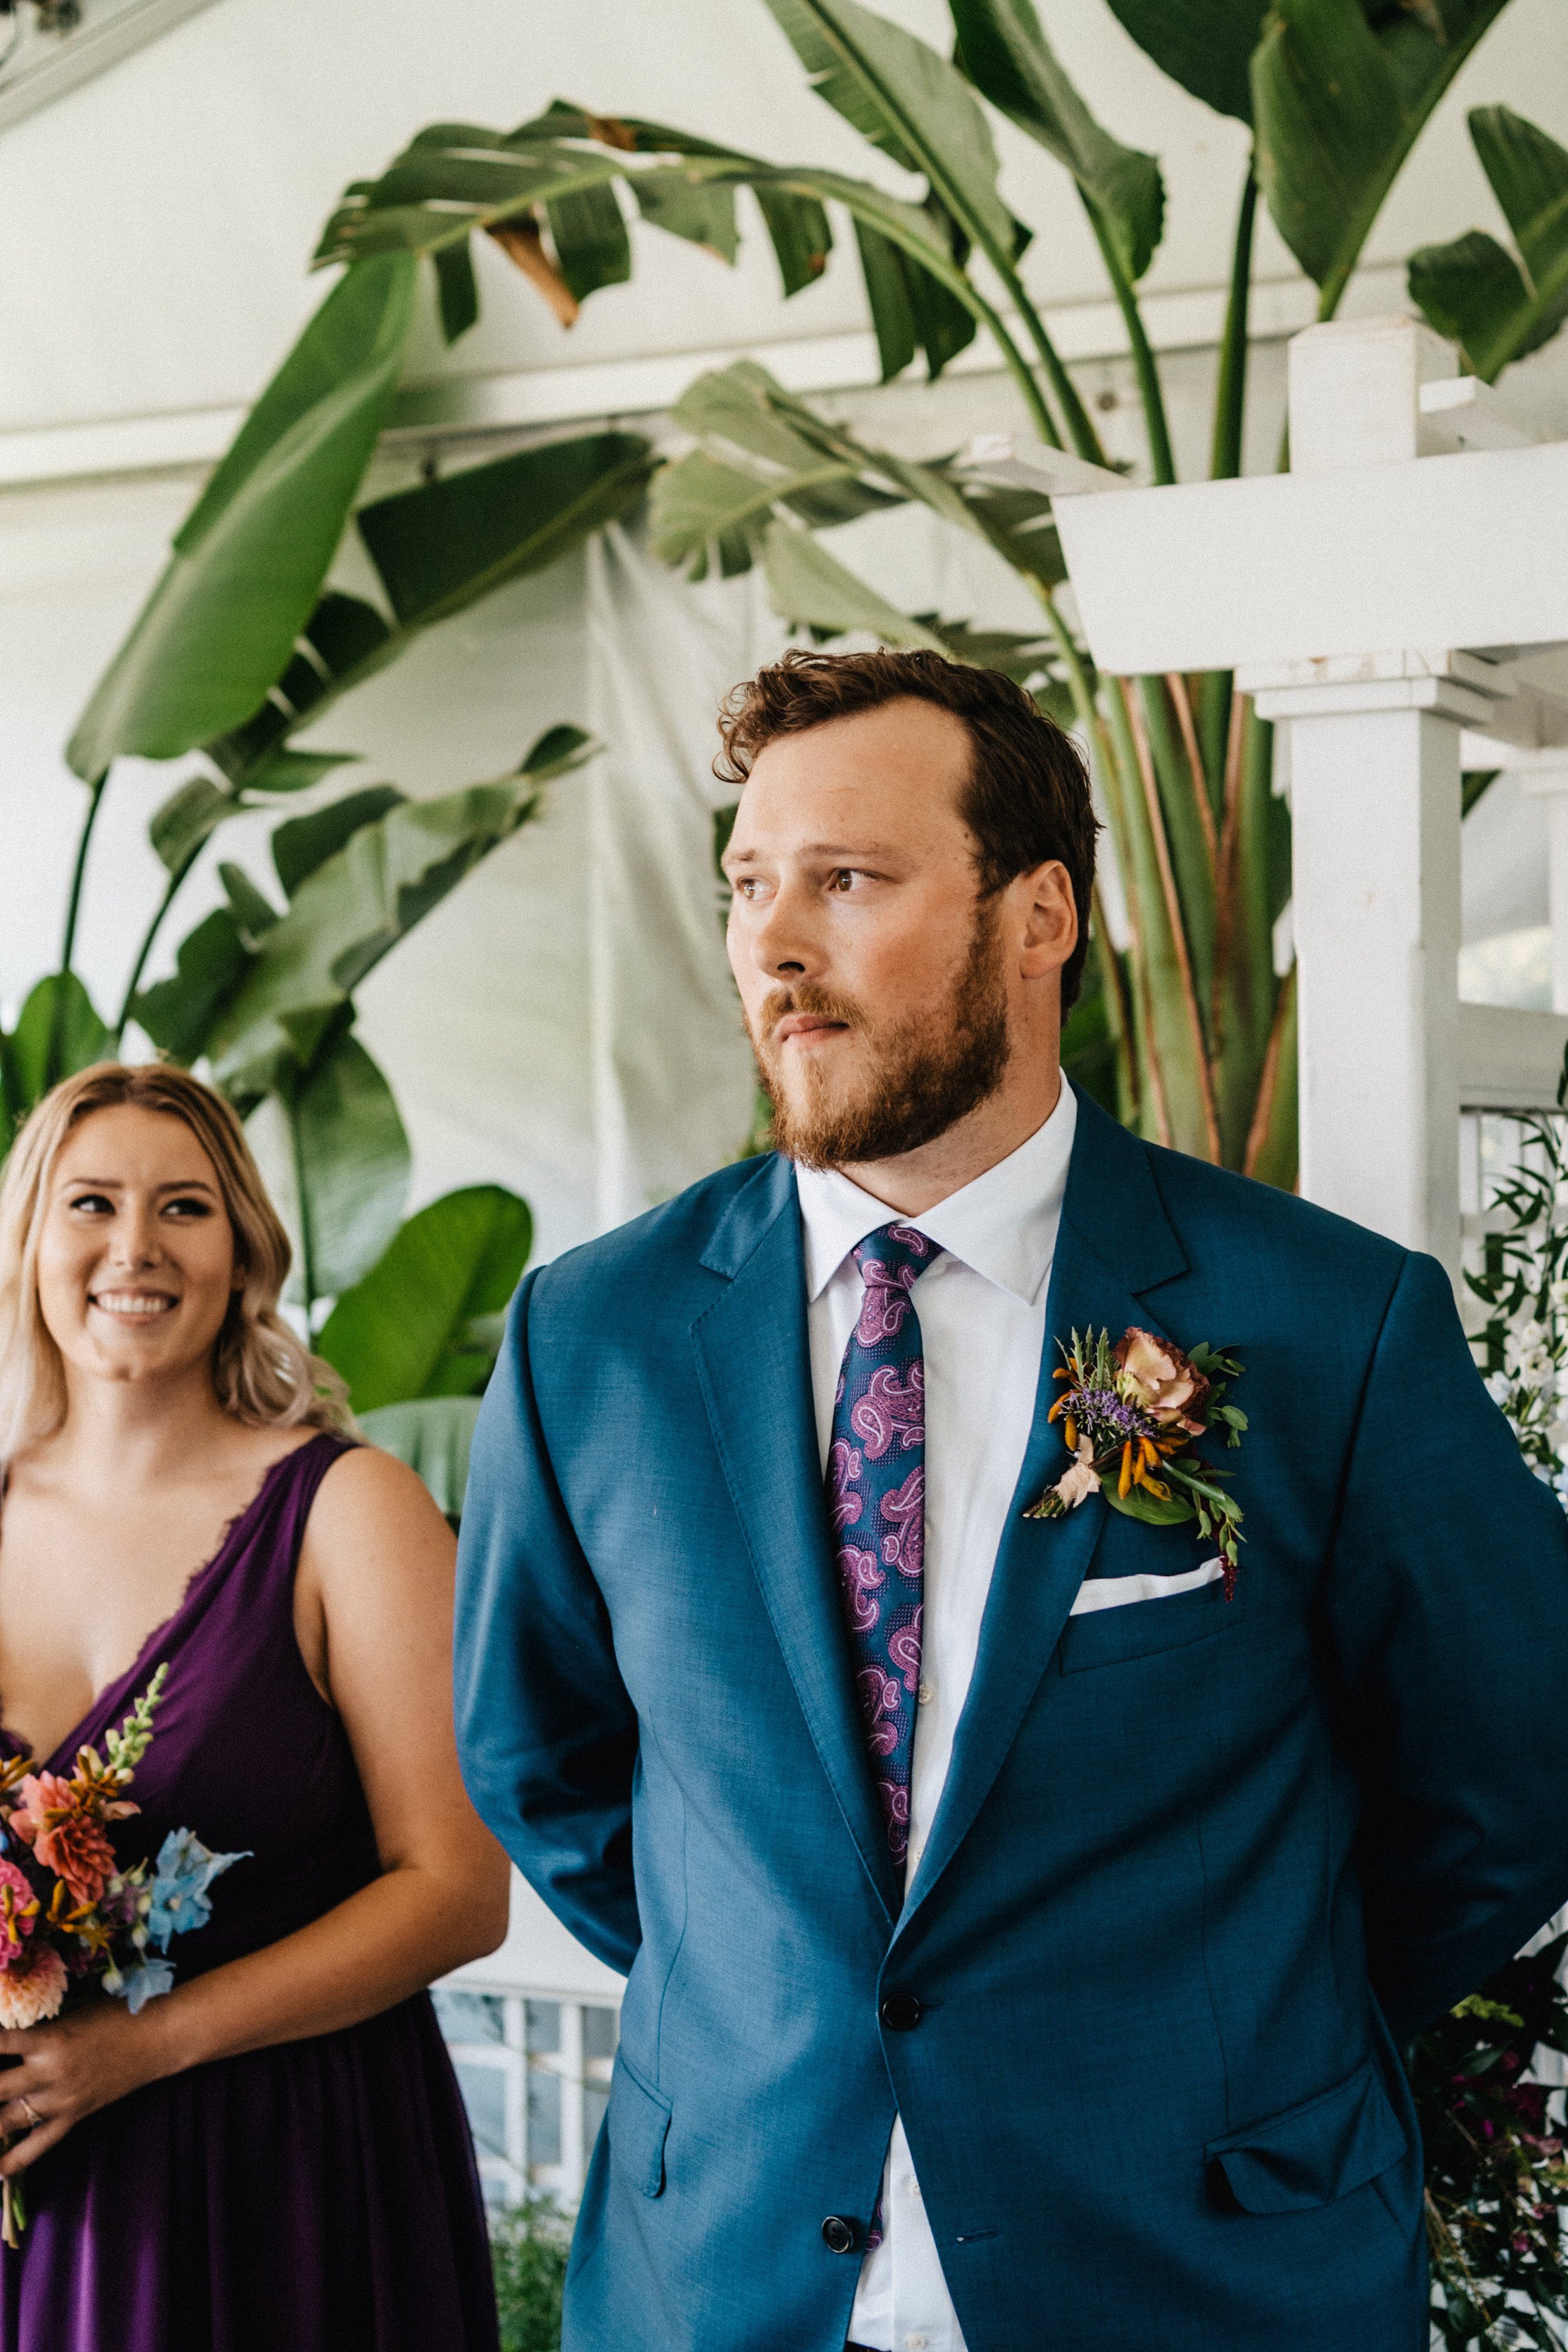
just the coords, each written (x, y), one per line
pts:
(528, 2245)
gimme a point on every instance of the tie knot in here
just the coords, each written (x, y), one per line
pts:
(893, 1256)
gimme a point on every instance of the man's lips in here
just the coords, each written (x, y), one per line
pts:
(806, 1026)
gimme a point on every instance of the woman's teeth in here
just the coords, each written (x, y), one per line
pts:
(133, 1303)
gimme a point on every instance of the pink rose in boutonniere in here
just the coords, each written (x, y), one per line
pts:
(1129, 1414)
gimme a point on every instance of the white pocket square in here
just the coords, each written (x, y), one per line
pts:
(1116, 1591)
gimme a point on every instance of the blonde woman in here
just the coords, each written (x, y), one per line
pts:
(272, 2157)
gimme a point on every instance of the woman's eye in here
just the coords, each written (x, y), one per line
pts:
(94, 1204)
(191, 1208)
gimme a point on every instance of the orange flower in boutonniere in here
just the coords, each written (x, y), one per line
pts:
(1129, 1414)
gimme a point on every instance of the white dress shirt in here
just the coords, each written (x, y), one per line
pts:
(982, 1309)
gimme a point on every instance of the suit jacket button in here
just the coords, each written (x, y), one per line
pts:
(839, 2234)
(900, 2013)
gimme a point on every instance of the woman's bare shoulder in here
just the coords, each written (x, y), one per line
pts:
(368, 1493)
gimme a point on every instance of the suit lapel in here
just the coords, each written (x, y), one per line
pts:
(1114, 1242)
(754, 1365)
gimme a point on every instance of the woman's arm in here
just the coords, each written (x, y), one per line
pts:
(376, 1603)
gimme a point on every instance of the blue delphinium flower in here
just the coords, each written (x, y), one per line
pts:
(140, 1983)
(177, 1899)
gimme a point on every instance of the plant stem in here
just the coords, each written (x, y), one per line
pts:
(1230, 391)
(1084, 440)
(54, 1060)
(290, 1105)
(73, 905)
(148, 938)
(1143, 361)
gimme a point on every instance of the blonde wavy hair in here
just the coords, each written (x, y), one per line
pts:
(261, 1373)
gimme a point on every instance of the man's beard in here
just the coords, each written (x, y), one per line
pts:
(922, 1080)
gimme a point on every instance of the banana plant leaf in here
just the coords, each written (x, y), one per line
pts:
(1007, 56)
(907, 100)
(56, 1028)
(812, 589)
(455, 178)
(433, 1435)
(440, 548)
(1498, 308)
(186, 821)
(354, 908)
(405, 1329)
(1206, 45)
(304, 842)
(249, 560)
(1338, 104)
(260, 1003)
(351, 1165)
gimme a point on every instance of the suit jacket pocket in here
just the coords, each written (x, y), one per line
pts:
(1309, 2155)
(637, 2120)
(1107, 1636)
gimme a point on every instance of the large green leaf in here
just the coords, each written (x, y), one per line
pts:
(443, 545)
(211, 961)
(251, 558)
(1495, 307)
(811, 588)
(352, 1164)
(305, 842)
(356, 906)
(1206, 45)
(405, 1329)
(58, 1033)
(433, 1435)
(765, 451)
(1007, 56)
(1338, 103)
(344, 641)
(908, 99)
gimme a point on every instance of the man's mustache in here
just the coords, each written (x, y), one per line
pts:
(806, 998)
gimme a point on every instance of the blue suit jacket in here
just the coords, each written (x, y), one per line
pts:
(1199, 1865)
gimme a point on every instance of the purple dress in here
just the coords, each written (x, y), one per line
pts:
(319, 2196)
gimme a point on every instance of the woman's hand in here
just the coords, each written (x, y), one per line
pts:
(52, 2075)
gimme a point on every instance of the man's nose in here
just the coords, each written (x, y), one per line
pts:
(783, 944)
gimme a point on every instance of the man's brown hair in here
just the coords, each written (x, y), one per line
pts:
(1025, 799)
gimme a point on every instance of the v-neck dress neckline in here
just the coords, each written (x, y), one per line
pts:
(197, 1583)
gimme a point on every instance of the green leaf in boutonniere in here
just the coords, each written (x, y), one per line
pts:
(1129, 1415)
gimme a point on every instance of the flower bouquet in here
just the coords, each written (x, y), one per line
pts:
(1129, 1413)
(72, 1920)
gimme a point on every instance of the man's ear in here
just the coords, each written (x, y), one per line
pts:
(1050, 919)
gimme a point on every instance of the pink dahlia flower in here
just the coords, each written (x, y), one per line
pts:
(64, 1838)
(29, 1995)
(18, 1910)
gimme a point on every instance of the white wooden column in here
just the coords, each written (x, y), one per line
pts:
(1546, 773)
(1375, 806)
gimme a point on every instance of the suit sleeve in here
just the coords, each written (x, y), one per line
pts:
(547, 1735)
(1447, 1602)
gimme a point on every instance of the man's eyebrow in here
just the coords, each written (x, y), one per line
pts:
(847, 853)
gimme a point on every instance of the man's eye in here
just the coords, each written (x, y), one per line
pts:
(845, 878)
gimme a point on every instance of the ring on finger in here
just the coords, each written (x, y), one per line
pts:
(30, 2111)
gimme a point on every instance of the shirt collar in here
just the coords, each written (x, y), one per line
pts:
(1003, 1225)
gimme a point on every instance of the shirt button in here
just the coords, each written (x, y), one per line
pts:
(912, 2188)
(926, 1692)
(915, 2343)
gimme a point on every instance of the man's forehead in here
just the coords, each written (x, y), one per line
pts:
(859, 781)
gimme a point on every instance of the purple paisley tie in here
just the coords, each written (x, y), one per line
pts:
(875, 1499)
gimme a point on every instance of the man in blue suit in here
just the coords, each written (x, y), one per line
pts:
(1022, 1916)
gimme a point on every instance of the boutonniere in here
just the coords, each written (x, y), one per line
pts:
(1130, 1414)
